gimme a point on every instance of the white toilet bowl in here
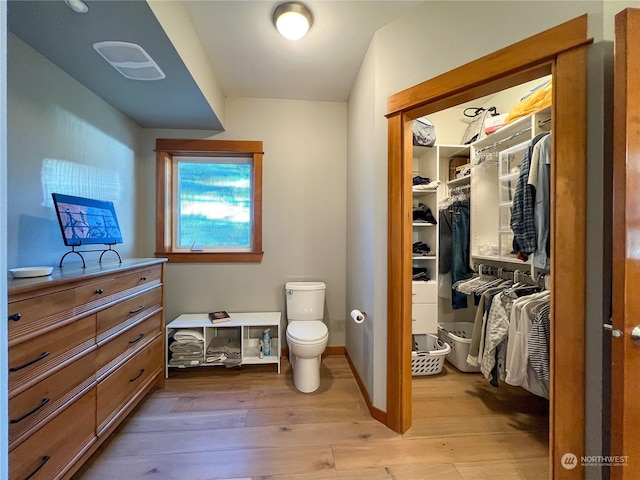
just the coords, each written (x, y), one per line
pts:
(306, 340)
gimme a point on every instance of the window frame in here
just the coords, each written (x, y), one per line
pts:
(168, 152)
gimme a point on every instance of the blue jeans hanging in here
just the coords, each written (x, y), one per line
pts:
(460, 234)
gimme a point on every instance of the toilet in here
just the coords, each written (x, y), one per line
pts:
(307, 335)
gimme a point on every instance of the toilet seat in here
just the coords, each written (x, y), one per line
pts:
(307, 331)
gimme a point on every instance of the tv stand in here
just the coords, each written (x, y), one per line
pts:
(80, 252)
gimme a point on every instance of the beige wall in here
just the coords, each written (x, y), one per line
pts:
(304, 215)
(4, 372)
(53, 117)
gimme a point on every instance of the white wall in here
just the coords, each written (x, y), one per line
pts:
(53, 117)
(4, 362)
(304, 215)
(435, 38)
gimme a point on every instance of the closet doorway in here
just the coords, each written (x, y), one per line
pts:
(562, 53)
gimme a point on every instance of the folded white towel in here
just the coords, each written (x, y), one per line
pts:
(184, 363)
(187, 347)
(188, 336)
(224, 345)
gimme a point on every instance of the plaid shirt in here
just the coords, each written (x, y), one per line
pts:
(522, 210)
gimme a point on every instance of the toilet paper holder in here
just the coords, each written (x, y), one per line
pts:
(358, 316)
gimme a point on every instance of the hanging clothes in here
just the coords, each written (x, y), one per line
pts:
(540, 181)
(510, 339)
(522, 210)
(460, 247)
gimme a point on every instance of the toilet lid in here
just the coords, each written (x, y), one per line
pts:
(305, 331)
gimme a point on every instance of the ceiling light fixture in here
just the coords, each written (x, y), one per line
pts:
(77, 6)
(293, 20)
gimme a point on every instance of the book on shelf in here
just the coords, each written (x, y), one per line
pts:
(219, 317)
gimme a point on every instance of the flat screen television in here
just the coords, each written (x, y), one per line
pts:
(85, 221)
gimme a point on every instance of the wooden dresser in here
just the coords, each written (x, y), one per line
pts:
(85, 346)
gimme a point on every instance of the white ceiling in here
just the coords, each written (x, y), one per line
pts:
(251, 59)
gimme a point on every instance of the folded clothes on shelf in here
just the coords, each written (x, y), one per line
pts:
(426, 187)
(421, 248)
(227, 350)
(422, 214)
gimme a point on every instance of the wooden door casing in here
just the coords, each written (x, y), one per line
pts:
(625, 390)
(560, 51)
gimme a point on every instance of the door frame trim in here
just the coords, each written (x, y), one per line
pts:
(561, 51)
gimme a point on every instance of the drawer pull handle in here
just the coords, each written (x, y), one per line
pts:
(137, 339)
(137, 376)
(100, 291)
(143, 279)
(414, 320)
(139, 309)
(15, 317)
(40, 357)
(38, 407)
(44, 460)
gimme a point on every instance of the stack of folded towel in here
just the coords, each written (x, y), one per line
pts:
(224, 350)
(187, 348)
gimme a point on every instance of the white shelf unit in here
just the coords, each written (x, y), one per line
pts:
(246, 328)
(433, 163)
(495, 170)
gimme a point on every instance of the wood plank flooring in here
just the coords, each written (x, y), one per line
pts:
(251, 424)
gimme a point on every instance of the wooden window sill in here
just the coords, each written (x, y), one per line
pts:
(211, 257)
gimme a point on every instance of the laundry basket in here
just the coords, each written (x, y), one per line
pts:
(427, 357)
(458, 336)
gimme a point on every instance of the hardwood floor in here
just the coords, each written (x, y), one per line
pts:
(214, 423)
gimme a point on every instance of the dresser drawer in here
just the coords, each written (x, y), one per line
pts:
(117, 389)
(27, 317)
(142, 277)
(117, 348)
(127, 312)
(30, 361)
(424, 292)
(117, 286)
(52, 449)
(424, 318)
(32, 407)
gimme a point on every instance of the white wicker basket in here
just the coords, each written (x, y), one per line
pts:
(458, 336)
(428, 355)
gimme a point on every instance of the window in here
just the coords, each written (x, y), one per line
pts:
(209, 200)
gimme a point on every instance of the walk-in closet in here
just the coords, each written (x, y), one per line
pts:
(481, 254)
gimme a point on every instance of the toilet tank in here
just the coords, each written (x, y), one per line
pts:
(305, 300)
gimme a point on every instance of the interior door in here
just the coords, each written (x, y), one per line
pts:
(625, 369)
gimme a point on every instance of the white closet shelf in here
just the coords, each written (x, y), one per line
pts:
(423, 257)
(421, 224)
(509, 177)
(434, 190)
(459, 181)
(511, 261)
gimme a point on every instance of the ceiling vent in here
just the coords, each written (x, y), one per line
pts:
(130, 60)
